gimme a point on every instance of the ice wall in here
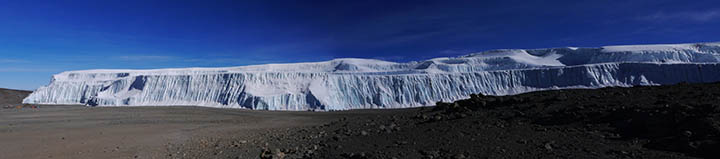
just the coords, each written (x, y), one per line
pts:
(343, 84)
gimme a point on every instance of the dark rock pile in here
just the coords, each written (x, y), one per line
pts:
(682, 118)
(678, 121)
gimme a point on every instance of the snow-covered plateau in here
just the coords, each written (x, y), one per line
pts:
(348, 83)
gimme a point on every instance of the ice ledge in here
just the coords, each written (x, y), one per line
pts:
(369, 84)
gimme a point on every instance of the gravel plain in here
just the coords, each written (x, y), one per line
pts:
(677, 121)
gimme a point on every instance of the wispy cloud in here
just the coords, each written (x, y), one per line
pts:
(422, 23)
(227, 61)
(391, 58)
(695, 16)
(27, 70)
(12, 61)
(451, 52)
(210, 60)
(145, 58)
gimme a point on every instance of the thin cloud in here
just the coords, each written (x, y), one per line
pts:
(145, 58)
(227, 61)
(696, 16)
(26, 70)
(391, 58)
(12, 61)
(449, 52)
(418, 24)
(455, 52)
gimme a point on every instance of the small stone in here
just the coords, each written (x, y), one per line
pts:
(265, 154)
(278, 154)
(522, 141)
(687, 133)
(437, 117)
(459, 156)
(548, 146)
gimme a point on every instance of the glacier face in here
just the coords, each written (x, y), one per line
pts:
(343, 84)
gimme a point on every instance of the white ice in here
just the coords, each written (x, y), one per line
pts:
(352, 83)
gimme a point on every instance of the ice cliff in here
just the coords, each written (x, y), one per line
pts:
(342, 84)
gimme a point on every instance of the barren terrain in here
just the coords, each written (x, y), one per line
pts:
(678, 121)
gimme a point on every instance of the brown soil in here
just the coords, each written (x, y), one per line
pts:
(142, 132)
(12, 98)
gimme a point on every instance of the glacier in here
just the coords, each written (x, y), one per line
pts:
(352, 83)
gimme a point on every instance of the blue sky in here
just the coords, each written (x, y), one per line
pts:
(41, 38)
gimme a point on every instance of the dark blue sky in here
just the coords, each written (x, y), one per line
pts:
(41, 38)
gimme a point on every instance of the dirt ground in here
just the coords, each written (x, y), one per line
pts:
(678, 121)
(11, 98)
(139, 132)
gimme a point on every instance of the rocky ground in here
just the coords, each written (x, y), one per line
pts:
(678, 121)
(11, 98)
